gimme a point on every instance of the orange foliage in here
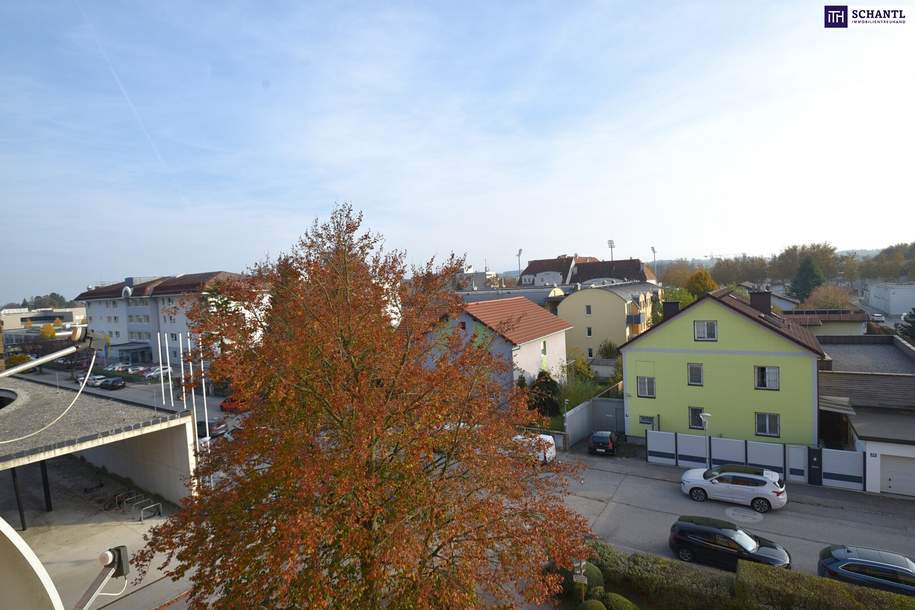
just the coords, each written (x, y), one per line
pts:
(377, 466)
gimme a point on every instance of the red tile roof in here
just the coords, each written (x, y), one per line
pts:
(115, 291)
(518, 319)
(181, 284)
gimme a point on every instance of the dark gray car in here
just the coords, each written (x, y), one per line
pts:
(869, 568)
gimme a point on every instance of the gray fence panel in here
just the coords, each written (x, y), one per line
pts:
(578, 422)
(661, 448)
(608, 414)
(797, 463)
(766, 455)
(843, 469)
(727, 451)
(692, 450)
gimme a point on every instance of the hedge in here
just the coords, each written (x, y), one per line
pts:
(615, 601)
(760, 585)
(591, 604)
(670, 583)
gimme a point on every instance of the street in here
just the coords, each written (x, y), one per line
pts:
(632, 505)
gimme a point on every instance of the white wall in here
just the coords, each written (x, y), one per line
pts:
(160, 462)
(876, 449)
(527, 356)
(893, 299)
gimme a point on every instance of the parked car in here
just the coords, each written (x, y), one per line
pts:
(868, 568)
(217, 428)
(722, 544)
(878, 317)
(603, 441)
(94, 380)
(759, 488)
(112, 383)
(155, 371)
(543, 447)
(136, 369)
(117, 367)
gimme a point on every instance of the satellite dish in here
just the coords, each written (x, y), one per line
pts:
(26, 583)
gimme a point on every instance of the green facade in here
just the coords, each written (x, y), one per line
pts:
(728, 389)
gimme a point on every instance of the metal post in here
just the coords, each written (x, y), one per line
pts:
(864, 471)
(168, 363)
(18, 499)
(161, 372)
(676, 449)
(181, 359)
(203, 387)
(46, 485)
(746, 451)
(190, 366)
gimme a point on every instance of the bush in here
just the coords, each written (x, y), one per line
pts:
(615, 601)
(597, 593)
(595, 577)
(16, 360)
(760, 585)
(591, 604)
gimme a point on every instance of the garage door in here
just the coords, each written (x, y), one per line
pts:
(897, 474)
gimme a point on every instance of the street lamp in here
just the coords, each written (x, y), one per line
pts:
(654, 262)
(519, 265)
(612, 245)
(705, 417)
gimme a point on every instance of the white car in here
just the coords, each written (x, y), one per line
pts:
(117, 366)
(155, 371)
(542, 446)
(94, 380)
(878, 317)
(136, 370)
(758, 488)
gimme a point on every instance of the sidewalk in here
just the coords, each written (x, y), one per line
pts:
(801, 493)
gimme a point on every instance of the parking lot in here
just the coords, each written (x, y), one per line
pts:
(632, 505)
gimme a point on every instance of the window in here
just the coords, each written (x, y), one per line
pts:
(705, 330)
(175, 354)
(115, 318)
(589, 331)
(174, 336)
(587, 310)
(873, 571)
(766, 377)
(543, 348)
(462, 325)
(767, 424)
(645, 387)
(117, 333)
(590, 352)
(725, 542)
(694, 373)
(146, 319)
(695, 422)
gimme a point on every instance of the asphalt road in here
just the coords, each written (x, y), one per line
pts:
(632, 505)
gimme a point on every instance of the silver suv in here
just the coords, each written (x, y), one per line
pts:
(751, 486)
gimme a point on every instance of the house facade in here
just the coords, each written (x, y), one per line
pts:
(552, 271)
(895, 299)
(521, 332)
(127, 317)
(614, 312)
(609, 272)
(751, 372)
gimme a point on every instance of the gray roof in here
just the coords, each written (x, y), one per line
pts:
(869, 389)
(37, 404)
(537, 295)
(869, 358)
(887, 425)
(626, 289)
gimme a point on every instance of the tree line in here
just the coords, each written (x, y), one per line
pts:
(53, 300)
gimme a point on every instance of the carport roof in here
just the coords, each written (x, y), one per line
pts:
(91, 419)
(884, 425)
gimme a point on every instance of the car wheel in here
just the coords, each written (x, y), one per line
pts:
(685, 554)
(698, 495)
(761, 505)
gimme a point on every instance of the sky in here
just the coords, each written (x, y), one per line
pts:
(158, 138)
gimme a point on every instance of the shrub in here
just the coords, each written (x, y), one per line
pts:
(607, 349)
(591, 604)
(597, 593)
(609, 561)
(760, 585)
(615, 601)
(16, 360)
(595, 577)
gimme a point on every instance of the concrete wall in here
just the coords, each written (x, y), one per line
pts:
(840, 329)
(893, 299)
(160, 462)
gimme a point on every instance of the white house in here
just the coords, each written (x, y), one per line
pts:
(552, 271)
(529, 336)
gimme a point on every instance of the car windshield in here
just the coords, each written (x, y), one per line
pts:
(598, 436)
(711, 472)
(745, 540)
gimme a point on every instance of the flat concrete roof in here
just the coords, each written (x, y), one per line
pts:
(886, 425)
(93, 420)
(864, 358)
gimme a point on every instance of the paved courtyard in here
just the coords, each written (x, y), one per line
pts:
(632, 505)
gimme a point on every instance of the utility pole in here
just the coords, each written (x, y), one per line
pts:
(654, 263)
(612, 245)
(519, 265)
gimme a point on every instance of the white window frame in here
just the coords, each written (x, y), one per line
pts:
(768, 431)
(701, 425)
(689, 374)
(704, 325)
(649, 384)
(773, 381)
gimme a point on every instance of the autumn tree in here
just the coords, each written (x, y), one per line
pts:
(828, 296)
(786, 264)
(578, 366)
(47, 331)
(377, 468)
(808, 277)
(700, 282)
(677, 273)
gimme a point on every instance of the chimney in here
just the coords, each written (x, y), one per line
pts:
(671, 308)
(128, 281)
(761, 301)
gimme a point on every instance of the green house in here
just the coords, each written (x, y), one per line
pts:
(724, 367)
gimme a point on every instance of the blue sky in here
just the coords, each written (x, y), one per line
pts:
(161, 138)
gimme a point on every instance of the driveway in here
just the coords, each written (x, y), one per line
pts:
(632, 505)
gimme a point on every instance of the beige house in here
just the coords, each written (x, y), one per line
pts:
(617, 312)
